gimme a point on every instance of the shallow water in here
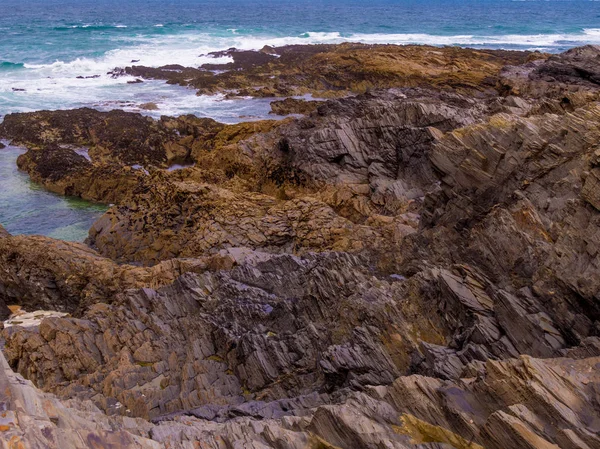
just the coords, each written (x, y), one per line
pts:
(25, 208)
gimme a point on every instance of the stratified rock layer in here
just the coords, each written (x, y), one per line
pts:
(413, 267)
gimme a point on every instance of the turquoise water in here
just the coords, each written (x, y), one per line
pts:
(26, 208)
(49, 47)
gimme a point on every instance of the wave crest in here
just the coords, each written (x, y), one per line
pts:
(7, 65)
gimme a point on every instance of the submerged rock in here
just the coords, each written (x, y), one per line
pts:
(149, 106)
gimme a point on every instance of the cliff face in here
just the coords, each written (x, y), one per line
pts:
(415, 266)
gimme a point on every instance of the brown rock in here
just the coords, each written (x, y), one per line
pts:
(293, 106)
(149, 106)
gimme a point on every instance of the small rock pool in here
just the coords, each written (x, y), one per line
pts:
(26, 208)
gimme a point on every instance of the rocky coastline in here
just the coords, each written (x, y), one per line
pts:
(409, 260)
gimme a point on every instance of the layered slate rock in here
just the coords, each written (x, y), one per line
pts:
(508, 405)
(414, 267)
(43, 273)
(368, 165)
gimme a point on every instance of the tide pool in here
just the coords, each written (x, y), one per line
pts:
(26, 208)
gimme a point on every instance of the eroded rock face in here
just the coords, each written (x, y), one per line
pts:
(507, 405)
(184, 219)
(408, 268)
(43, 273)
(371, 166)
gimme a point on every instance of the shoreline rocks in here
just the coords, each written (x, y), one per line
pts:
(336, 70)
(412, 266)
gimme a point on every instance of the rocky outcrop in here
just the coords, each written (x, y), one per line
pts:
(353, 141)
(114, 136)
(561, 83)
(328, 71)
(184, 219)
(262, 330)
(371, 169)
(43, 273)
(406, 268)
(114, 165)
(521, 402)
(507, 405)
(63, 171)
(520, 212)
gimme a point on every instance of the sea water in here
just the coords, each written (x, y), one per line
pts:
(26, 208)
(56, 54)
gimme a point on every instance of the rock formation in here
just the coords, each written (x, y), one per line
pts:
(294, 106)
(336, 70)
(415, 266)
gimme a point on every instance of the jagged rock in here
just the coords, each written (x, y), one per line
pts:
(591, 188)
(415, 267)
(518, 403)
(560, 83)
(40, 272)
(259, 330)
(328, 148)
(578, 65)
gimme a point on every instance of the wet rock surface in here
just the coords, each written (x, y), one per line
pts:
(410, 267)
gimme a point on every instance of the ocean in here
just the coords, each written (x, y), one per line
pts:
(49, 47)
